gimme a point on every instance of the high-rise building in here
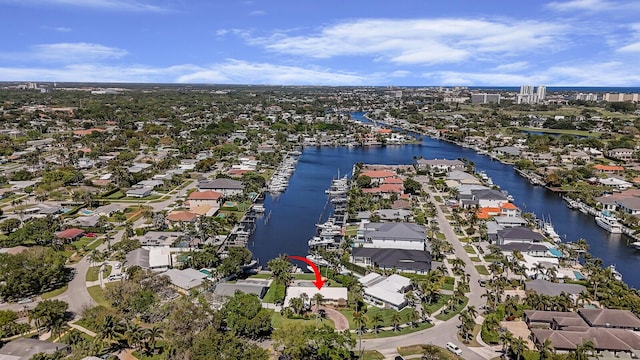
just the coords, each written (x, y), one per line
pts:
(526, 90)
(587, 97)
(541, 92)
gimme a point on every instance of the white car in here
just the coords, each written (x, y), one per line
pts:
(454, 348)
(25, 301)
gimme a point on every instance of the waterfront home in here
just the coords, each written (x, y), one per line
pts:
(507, 151)
(227, 187)
(628, 205)
(457, 177)
(435, 166)
(483, 198)
(534, 250)
(204, 198)
(616, 183)
(400, 235)
(108, 210)
(385, 292)
(90, 221)
(330, 295)
(509, 221)
(378, 176)
(518, 234)
(411, 261)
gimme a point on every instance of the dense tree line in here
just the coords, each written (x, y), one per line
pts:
(31, 272)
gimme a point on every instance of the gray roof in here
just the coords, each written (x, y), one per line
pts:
(460, 175)
(523, 247)
(520, 233)
(511, 150)
(139, 191)
(488, 194)
(509, 220)
(221, 184)
(545, 287)
(24, 349)
(436, 162)
(632, 203)
(610, 317)
(247, 287)
(138, 257)
(399, 230)
(186, 279)
(409, 260)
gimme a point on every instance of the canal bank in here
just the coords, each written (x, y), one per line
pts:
(292, 216)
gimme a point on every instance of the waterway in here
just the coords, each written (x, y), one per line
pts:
(292, 215)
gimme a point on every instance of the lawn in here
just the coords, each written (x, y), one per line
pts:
(403, 331)
(95, 244)
(275, 293)
(456, 311)
(278, 321)
(470, 250)
(351, 230)
(116, 195)
(82, 242)
(442, 300)
(441, 236)
(419, 350)
(437, 198)
(55, 292)
(371, 310)
(448, 283)
(92, 274)
(473, 342)
(372, 355)
(98, 296)
(482, 270)
(475, 259)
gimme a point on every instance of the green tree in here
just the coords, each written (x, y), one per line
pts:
(300, 342)
(245, 316)
(281, 269)
(236, 257)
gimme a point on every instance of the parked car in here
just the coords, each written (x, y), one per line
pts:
(115, 277)
(90, 235)
(454, 348)
(118, 265)
(25, 301)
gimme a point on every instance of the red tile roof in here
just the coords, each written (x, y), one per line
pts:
(184, 216)
(87, 131)
(205, 195)
(608, 167)
(70, 233)
(378, 174)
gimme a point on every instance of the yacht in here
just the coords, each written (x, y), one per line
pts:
(616, 274)
(609, 223)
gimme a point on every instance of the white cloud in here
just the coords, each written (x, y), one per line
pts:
(420, 41)
(229, 72)
(580, 74)
(635, 47)
(243, 72)
(75, 52)
(117, 5)
(573, 5)
(257, 13)
(516, 66)
(62, 29)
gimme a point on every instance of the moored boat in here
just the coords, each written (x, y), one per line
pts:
(609, 223)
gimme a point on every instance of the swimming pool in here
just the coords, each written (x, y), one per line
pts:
(578, 275)
(555, 252)
(230, 204)
(85, 212)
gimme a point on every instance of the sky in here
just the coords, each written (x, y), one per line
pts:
(324, 42)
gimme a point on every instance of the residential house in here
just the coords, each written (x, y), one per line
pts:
(185, 279)
(629, 205)
(400, 235)
(182, 217)
(386, 292)
(616, 183)
(378, 176)
(412, 261)
(439, 165)
(484, 198)
(518, 234)
(139, 192)
(530, 249)
(70, 235)
(26, 349)
(258, 287)
(622, 154)
(156, 259)
(608, 169)
(545, 287)
(227, 187)
(331, 295)
(161, 238)
(506, 151)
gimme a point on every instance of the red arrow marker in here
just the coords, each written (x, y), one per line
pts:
(319, 282)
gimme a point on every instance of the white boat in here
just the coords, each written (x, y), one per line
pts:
(616, 274)
(551, 232)
(635, 245)
(609, 223)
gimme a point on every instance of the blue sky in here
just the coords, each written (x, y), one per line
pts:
(328, 42)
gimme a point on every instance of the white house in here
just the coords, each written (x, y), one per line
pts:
(209, 198)
(330, 295)
(226, 187)
(385, 292)
(396, 235)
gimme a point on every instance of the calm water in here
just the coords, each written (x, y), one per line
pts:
(293, 214)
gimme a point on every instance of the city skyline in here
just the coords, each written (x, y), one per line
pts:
(557, 43)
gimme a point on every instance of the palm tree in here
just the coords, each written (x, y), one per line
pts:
(413, 316)
(360, 322)
(318, 299)
(376, 321)
(297, 305)
(518, 347)
(505, 339)
(583, 351)
(110, 329)
(472, 311)
(152, 336)
(546, 349)
(395, 320)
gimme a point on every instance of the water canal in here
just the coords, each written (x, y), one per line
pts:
(289, 220)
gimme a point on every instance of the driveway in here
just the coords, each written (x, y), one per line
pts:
(339, 320)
